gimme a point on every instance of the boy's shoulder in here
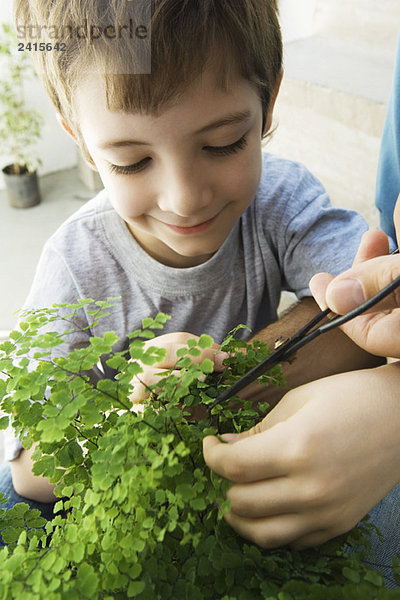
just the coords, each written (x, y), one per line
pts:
(88, 221)
(285, 186)
(99, 204)
(285, 176)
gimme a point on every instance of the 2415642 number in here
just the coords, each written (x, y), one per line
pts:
(41, 47)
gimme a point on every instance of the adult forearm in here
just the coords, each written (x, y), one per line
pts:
(331, 353)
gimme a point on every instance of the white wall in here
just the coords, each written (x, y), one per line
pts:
(56, 149)
(296, 18)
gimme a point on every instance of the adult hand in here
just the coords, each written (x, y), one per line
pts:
(378, 331)
(172, 342)
(317, 463)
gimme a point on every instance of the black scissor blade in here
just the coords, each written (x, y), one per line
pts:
(269, 362)
(283, 352)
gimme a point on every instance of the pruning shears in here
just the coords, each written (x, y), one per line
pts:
(284, 350)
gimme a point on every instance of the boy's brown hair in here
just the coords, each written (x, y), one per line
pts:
(237, 36)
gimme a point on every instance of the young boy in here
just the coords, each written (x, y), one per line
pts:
(194, 220)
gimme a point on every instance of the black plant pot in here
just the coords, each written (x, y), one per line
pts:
(22, 189)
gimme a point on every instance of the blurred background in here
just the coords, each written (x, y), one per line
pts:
(338, 60)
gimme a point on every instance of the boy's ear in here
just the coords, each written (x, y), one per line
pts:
(66, 127)
(84, 153)
(268, 120)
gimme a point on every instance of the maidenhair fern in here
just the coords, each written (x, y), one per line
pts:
(140, 514)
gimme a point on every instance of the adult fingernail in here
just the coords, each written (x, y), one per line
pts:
(344, 295)
(230, 438)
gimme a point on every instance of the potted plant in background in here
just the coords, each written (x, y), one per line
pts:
(20, 126)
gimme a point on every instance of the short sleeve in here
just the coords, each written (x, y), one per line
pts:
(53, 284)
(321, 238)
(310, 234)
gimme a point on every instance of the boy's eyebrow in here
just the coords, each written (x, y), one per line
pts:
(231, 119)
(121, 144)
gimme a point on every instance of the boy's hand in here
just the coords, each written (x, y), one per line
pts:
(171, 342)
(377, 332)
(317, 463)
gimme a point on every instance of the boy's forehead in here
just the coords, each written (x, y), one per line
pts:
(91, 94)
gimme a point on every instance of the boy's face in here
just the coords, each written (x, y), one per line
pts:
(182, 179)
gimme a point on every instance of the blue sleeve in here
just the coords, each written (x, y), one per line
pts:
(388, 176)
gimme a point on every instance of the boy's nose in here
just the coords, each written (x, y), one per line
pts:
(184, 194)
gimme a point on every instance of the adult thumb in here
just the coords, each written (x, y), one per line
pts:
(352, 288)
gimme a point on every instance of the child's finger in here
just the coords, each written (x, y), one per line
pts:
(172, 343)
(151, 375)
(171, 358)
(143, 382)
(175, 342)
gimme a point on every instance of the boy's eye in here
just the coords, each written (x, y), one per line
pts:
(129, 169)
(226, 150)
(214, 150)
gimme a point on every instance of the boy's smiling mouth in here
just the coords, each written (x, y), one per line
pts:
(200, 227)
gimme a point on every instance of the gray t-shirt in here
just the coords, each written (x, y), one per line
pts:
(289, 232)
